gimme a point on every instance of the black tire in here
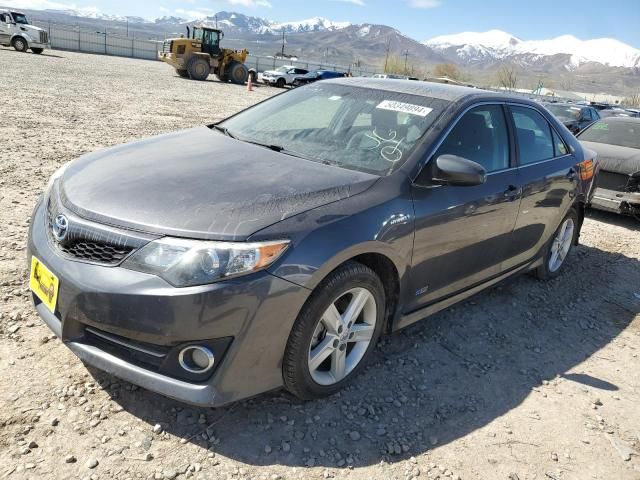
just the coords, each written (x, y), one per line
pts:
(544, 271)
(281, 83)
(198, 68)
(295, 367)
(20, 44)
(238, 73)
(37, 51)
(183, 73)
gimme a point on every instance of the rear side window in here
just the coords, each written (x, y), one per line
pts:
(560, 148)
(534, 135)
(481, 136)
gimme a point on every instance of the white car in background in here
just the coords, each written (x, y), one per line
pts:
(16, 32)
(282, 76)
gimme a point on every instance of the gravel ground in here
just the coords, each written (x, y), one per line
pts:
(526, 381)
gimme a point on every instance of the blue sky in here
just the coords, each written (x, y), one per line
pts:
(420, 19)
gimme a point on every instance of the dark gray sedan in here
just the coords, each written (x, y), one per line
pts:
(276, 247)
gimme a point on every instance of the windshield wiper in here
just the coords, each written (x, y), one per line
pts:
(275, 148)
(224, 130)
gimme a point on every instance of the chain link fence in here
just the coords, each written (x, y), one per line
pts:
(79, 39)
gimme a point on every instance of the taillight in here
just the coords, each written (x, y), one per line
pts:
(586, 170)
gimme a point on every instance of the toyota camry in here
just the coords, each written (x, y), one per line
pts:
(273, 249)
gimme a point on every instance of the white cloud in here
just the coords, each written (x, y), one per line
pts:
(360, 3)
(424, 3)
(250, 3)
(191, 14)
(47, 4)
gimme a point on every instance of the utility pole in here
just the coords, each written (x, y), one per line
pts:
(127, 27)
(386, 57)
(283, 43)
(406, 57)
(216, 21)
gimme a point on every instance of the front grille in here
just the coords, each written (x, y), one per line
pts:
(96, 252)
(91, 242)
(44, 37)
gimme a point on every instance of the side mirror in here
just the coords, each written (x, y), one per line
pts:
(457, 171)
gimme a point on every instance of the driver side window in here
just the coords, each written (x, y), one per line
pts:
(480, 136)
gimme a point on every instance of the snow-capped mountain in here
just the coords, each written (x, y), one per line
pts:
(94, 14)
(237, 23)
(475, 47)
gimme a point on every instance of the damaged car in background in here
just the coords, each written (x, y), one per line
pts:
(273, 249)
(617, 142)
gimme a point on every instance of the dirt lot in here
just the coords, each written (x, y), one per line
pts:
(527, 381)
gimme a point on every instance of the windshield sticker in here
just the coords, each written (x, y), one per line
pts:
(409, 108)
(601, 126)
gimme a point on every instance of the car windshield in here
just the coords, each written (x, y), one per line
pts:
(565, 111)
(624, 134)
(20, 18)
(363, 129)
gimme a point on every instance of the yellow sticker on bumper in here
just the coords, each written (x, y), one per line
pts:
(44, 284)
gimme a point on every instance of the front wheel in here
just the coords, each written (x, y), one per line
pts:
(335, 332)
(281, 83)
(238, 73)
(20, 44)
(561, 244)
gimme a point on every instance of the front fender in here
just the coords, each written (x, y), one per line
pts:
(23, 35)
(374, 222)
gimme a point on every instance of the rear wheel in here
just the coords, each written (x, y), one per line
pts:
(20, 44)
(335, 332)
(198, 68)
(281, 83)
(183, 73)
(237, 73)
(557, 251)
(37, 51)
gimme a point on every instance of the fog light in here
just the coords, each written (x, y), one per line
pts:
(196, 359)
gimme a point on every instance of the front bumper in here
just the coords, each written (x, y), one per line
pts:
(626, 203)
(255, 313)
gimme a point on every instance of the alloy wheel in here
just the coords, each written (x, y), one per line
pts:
(342, 336)
(561, 245)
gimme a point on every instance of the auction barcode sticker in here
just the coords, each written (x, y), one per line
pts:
(409, 108)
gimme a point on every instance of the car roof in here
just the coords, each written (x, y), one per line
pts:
(441, 91)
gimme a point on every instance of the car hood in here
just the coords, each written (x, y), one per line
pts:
(272, 72)
(200, 183)
(614, 158)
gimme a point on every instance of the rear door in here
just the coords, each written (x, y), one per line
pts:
(548, 177)
(462, 233)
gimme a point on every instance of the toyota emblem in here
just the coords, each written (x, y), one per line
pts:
(60, 227)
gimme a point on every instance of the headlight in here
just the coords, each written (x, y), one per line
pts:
(185, 263)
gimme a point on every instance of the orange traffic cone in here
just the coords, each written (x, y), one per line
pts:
(250, 84)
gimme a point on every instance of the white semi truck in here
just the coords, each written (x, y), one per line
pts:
(16, 32)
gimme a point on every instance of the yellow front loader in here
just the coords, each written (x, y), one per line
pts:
(199, 54)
